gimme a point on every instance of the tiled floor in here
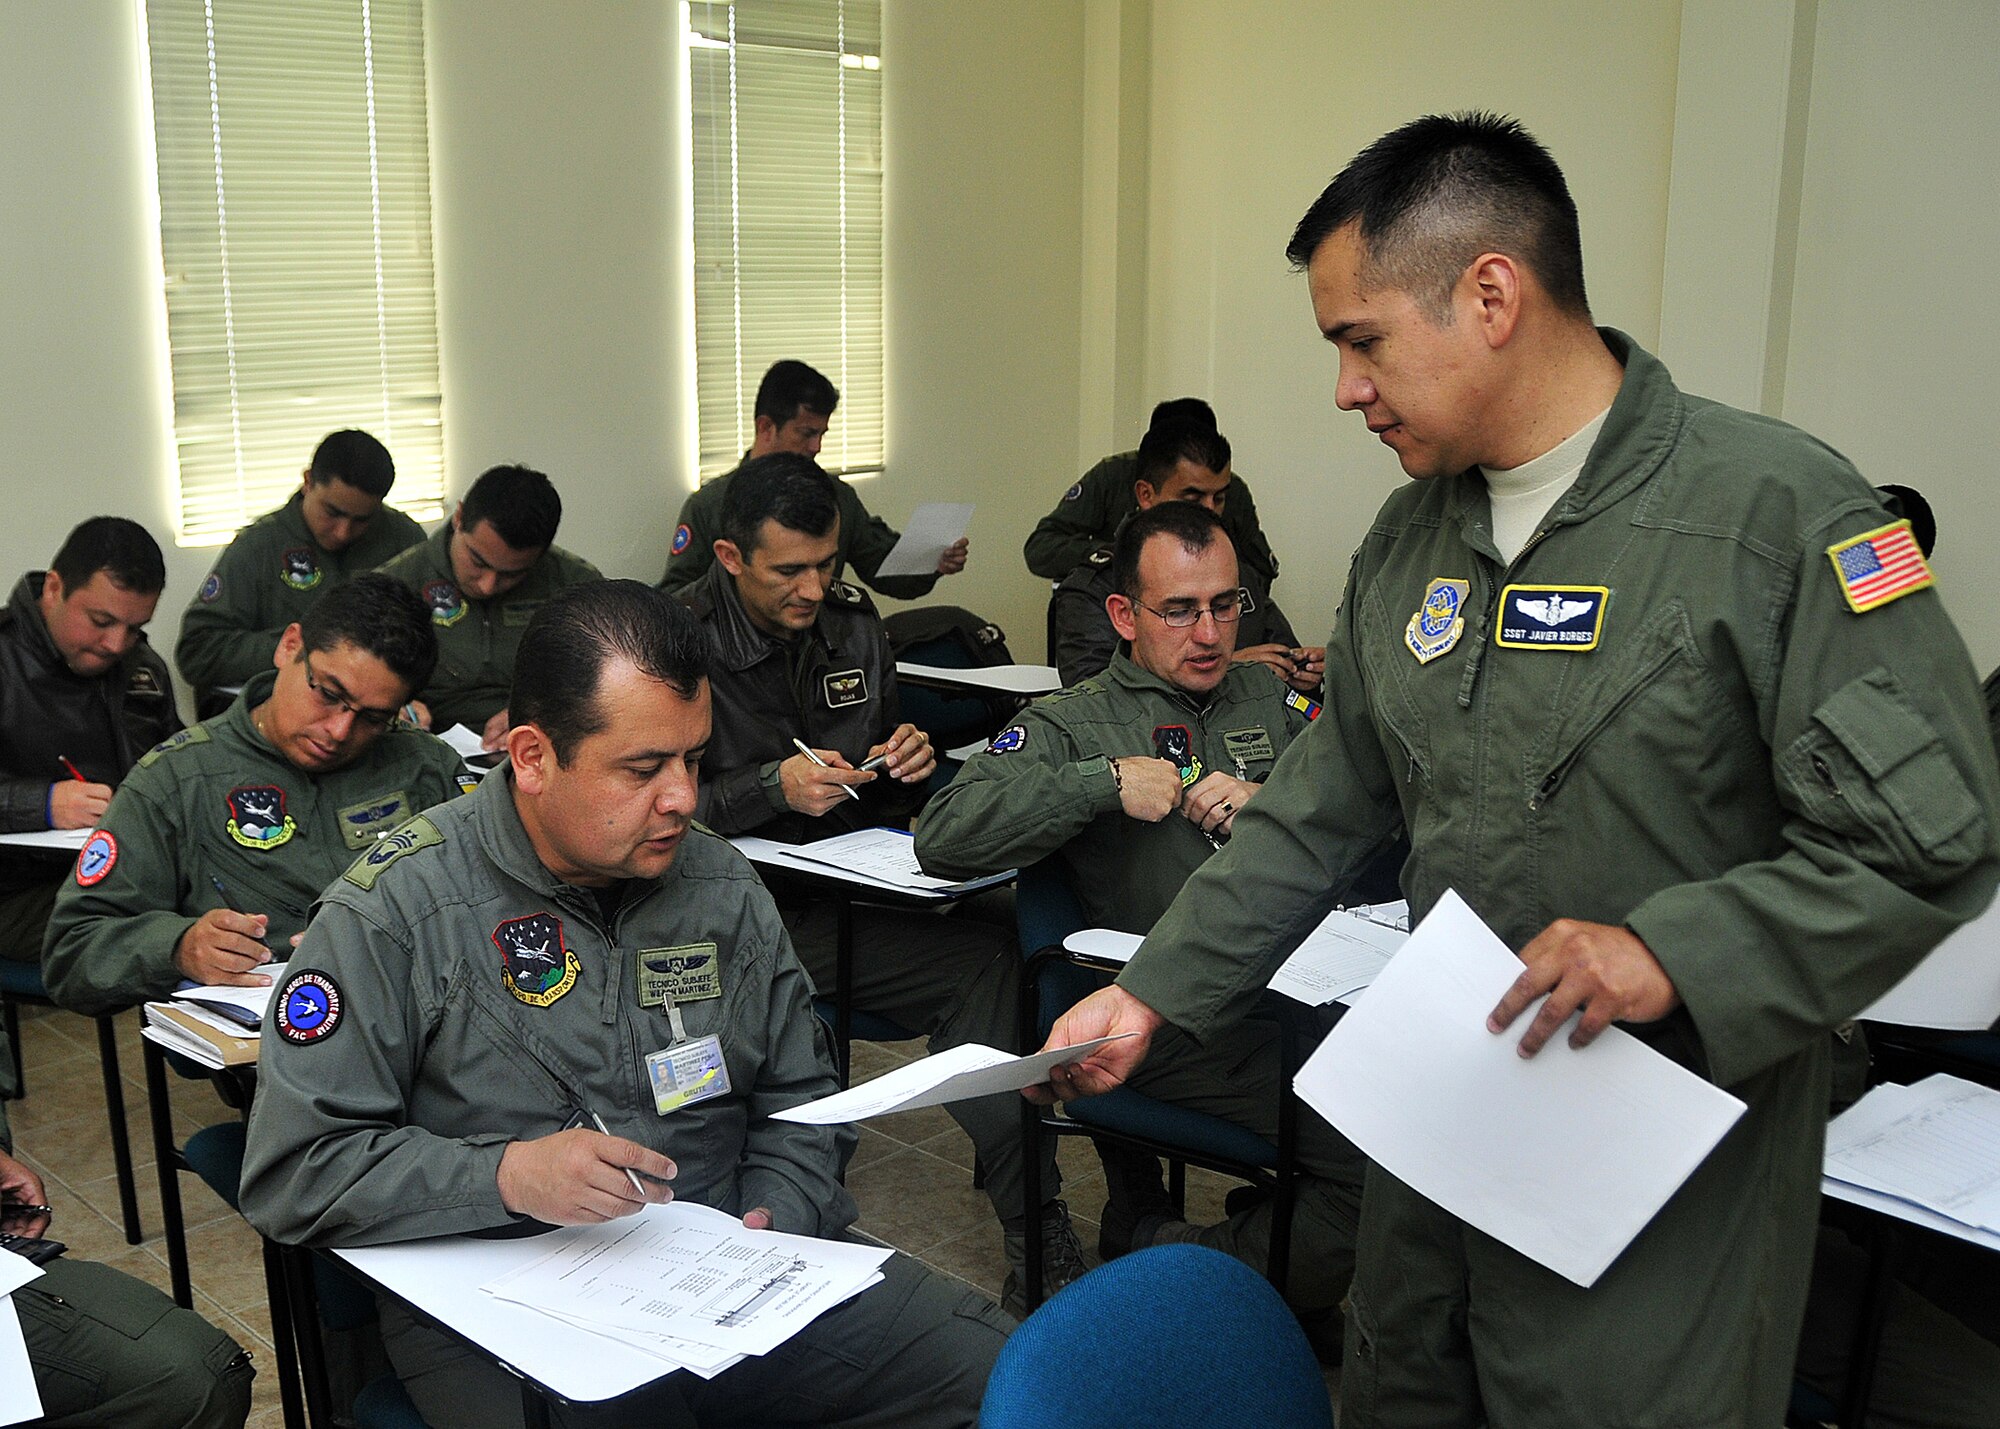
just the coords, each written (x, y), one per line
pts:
(911, 1176)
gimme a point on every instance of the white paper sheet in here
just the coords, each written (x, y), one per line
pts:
(1935, 1144)
(1105, 944)
(68, 840)
(1010, 679)
(1564, 1156)
(931, 528)
(955, 1074)
(16, 1271)
(882, 863)
(1903, 1211)
(1955, 988)
(1338, 960)
(253, 1000)
(466, 743)
(19, 1399)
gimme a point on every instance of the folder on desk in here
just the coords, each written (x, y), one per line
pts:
(203, 1038)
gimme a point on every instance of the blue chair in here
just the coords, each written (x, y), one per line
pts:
(1197, 1338)
(1046, 911)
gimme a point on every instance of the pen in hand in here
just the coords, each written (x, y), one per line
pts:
(638, 1188)
(74, 772)
(846, 789)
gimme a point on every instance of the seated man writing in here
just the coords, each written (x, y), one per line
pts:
(215, 846)
(504, 961)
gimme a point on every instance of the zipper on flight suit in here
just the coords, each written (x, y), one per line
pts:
(1556, 775)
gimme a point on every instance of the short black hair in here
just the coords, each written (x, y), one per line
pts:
(356, 458)
(1165, 447)
(1910, 505)
(785, 487)
(570, 640)
(518, 502)
(1195, 527)
(122, 549)
(790, 386)
(379, 614)
(1433, 195)
(1182, 409)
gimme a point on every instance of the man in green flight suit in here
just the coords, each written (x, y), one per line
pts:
(1087, 517)
(106, 1348)
(334, 528)
(794, 406)
(1133, 779)
(1657, 691)
(484, 574)
(215, 846)
(565, 950)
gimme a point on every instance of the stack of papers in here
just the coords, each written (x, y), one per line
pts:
(238, 1007)
(214, 1035)
(1336, 962)
(468, 745)
(873, 858)
(1933, 1145)
(19, 1401)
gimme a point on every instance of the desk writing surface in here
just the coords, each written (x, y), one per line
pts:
(66, 840)
(1008, 679)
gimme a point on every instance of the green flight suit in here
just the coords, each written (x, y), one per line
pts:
(1788, 801)
(265, 579)
(1043, 788)
(109, 1349)
(219, 803)
(865, 541)
(1091, 511)
(477, 638)
(492, 1002)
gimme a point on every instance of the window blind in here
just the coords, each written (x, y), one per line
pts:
(294, 176)
(786, 99)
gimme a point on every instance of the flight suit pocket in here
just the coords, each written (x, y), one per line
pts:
(1872, 769)
(1596, 709)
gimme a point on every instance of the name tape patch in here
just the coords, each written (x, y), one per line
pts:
(1552, 617)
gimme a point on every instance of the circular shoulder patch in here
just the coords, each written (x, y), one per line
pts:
(211, 588)
(1008, 740)
(1073, 492)
(98, 857)
(682, 537)
(307, 1008)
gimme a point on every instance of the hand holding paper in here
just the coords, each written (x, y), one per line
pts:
(935, 530)
(1608, 972)
(955, 1074)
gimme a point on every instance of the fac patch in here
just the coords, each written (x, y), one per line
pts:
(363, 824)
(1551, 617)
(1246, 746)
(844, 688)
(418, 833)
(143, 681)
(299, 569)
(1884, 565)
(689, 973)
(1173, 743)
(96, 859)
(1073, 492)
(466, 783)
(1013, 737)
(210, 588)
(307, 1008)
(179, 739)
(1439, 620)
(519, 612)
(682, 538)
(447, 602)
(535, 961)
(1307, 707)
(257, 817)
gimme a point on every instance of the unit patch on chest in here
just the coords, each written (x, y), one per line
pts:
(1173, 743)
(447, 602)
(1439, 621)
(299, 569)
(362, 824)
(844, 688)
(257, 817)
(536, 962)
(1551, 617)
(689, 973)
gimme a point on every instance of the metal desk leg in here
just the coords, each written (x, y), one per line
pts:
(843, 985)
(167, 1162)
(121, 1137)
(534, 1408)
(284, 1335)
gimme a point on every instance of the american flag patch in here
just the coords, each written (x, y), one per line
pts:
(1879, 567)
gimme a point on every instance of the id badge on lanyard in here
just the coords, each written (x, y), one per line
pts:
(687, 1070)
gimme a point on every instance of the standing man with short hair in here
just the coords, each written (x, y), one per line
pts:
(484, 574)
(334, 528)
(207, 863)
(82, 696)
(568, 950)
(794, 408)
(1658, 690)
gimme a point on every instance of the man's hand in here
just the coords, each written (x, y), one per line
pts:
(757, 1220)
(1607, 971)
(953, 559)
(224, 947)
(21, 1187)
(76, 805)
(811, 790)
(1214, 802)
(1277, 657)
(1148, 788)
(1105, 1013)
(577, 1177)
(495, 733)
(1308, 668)
(418, 713)
(910, 754)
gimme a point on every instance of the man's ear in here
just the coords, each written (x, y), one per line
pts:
(289, 646)
(532, 755)
(1124, 616)
(458, 518)
(725, 549)
(1145, 493)
(1492, 285)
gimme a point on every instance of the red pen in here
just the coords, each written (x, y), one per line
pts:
(74, 772)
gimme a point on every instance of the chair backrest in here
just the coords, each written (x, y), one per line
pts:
(1194, 1336)
(1046, 909)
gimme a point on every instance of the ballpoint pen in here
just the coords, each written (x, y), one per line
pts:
(630, 1174)
(800, 744)
(74, 772)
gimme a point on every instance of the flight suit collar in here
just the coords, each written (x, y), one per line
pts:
(738, 643)
(292, 517)
(1123, 672)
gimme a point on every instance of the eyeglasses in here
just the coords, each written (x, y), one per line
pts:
(335, 700)
(1226, 610)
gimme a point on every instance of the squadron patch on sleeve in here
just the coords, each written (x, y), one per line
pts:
(1013, 737)
(682, 538)
(418, 833)
(1074, 492)
(536, 962)
(307, 1008)
(210, 588)
(97, 858)
(467, 782)
(1883, 565)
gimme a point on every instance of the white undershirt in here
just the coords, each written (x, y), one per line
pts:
(1523, 495)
